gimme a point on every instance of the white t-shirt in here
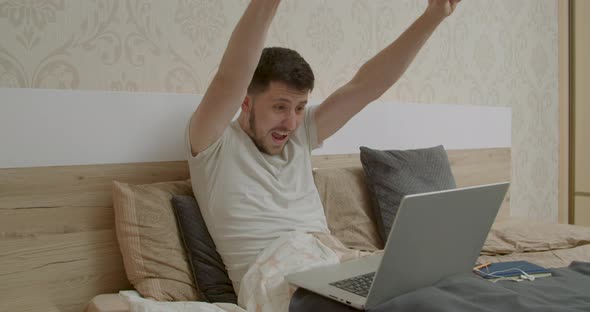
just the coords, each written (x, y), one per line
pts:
(248, 198)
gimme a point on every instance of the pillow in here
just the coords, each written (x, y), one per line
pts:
(207, 267)
(516, 235)
(392, 174)
(347, 205)
(153, 255)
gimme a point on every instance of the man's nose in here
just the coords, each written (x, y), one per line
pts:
(290, 121)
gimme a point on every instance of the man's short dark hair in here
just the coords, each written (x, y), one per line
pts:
(283, 65)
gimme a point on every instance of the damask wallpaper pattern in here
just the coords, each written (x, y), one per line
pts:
(495, 53)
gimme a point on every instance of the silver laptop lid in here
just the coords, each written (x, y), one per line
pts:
(435, 235)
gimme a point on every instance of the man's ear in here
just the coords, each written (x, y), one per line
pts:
(247, 104)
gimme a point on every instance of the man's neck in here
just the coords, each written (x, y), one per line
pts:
(243, 122)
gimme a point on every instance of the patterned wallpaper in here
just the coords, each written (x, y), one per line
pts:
(501, 52)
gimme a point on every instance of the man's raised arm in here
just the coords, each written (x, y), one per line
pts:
(381, 72)
(229, 86)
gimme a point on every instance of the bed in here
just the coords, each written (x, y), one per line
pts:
(59, 246)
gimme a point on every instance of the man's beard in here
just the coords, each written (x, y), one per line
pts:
(259, 142)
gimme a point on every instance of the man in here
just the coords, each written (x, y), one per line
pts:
(252, 177)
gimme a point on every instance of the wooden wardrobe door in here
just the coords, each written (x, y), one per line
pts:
(580, 71)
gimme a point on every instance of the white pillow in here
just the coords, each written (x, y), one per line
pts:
(138, 304)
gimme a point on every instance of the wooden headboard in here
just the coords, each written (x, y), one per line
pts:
(57, 242)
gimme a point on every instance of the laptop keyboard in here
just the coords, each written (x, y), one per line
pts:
(359, 285)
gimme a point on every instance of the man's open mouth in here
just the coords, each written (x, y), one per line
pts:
(279, 137)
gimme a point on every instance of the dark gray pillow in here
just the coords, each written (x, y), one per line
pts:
(207, 267)
(392, 174)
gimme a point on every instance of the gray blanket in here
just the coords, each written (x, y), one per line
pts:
(567, 290)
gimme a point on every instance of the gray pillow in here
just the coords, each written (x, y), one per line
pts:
(392, 174)
(207, 267)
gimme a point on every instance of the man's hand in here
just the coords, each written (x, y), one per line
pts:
(441, 8)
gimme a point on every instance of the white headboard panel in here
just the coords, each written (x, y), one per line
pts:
(40, 127)
(387, 125)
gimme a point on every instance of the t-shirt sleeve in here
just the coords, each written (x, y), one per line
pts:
(187, 141)
(311, 128)
(204, 154)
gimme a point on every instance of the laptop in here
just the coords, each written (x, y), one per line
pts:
(434, 235)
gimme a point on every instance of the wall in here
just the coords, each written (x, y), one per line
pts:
(492, 53)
